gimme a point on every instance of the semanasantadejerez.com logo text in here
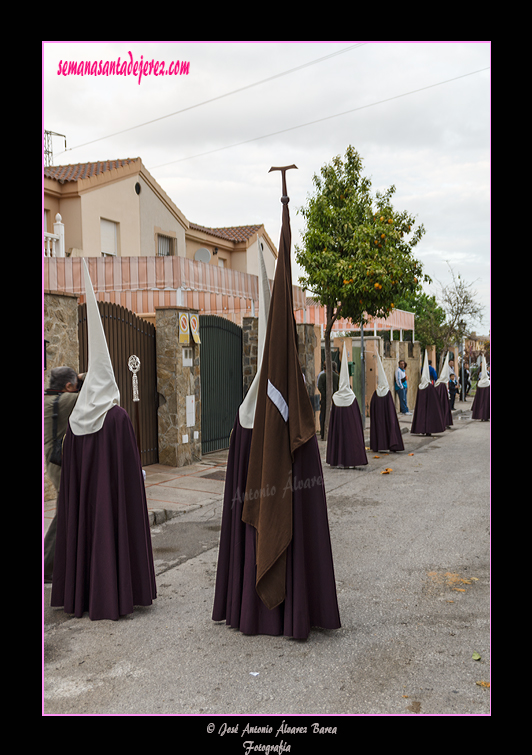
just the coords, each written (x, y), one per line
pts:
(126, 67)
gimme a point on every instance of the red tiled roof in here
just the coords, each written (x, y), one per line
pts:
(84, 170)
(233, 233)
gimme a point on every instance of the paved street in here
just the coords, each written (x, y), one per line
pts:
(411, 554)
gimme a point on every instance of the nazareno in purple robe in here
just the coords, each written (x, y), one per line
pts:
(310, 583)
(481, 404)
(103, 559)
(427, 417)
(345, 437)
(445, 404)
(384, 431)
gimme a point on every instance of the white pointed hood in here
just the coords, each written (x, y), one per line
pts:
(99, 391)
(246, 411)
(382, 381)
(344, 396)
(484, 377)
(425, 375)
(444, 374)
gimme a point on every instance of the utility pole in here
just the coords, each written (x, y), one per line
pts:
(48, 150)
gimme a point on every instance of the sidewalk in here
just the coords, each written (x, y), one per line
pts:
(172, 491)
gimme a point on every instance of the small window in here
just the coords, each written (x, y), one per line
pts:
(109, 237)
(164, 246)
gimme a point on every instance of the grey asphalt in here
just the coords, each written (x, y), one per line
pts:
(411, 554)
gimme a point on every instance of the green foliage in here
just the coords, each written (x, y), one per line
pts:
(357, 249)
(430, 317)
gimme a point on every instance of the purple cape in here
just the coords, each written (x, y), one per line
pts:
(310, 598)
(384, 430)
(103, 557)
(345, 438)
(481, 403)
(427, 417)
(445, 404)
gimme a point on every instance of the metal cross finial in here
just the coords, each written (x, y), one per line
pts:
(134, 365)
(283, 171)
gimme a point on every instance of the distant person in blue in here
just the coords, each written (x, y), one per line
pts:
(432, 372)
(401, 386)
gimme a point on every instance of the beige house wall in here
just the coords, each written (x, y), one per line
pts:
(156, 218)
(269, 253)
(118, 203)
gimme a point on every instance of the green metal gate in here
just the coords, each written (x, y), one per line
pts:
(221, 380)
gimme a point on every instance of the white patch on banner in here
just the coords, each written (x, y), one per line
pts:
(278, 400)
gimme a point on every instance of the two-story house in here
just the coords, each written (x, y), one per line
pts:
(116, 208)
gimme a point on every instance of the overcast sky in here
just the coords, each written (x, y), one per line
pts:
(417, 113)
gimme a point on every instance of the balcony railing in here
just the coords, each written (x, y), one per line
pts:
(54, 243)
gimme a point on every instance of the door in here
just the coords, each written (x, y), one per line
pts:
(221, 380)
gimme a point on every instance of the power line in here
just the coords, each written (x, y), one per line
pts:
(220, 97)
(320, 120)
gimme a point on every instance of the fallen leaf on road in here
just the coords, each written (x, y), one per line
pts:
(484, 684)
(476, 656)
(386, 471)
(451, 579)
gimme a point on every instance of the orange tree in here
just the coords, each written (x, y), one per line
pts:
(356, 250)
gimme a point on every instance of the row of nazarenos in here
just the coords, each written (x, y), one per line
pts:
(345, 439)
(432, 413)
(275, 572)
(103, 554)
(428, 415)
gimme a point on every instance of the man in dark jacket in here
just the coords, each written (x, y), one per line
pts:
(59, 399)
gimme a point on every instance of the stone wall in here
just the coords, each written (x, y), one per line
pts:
(309, 348)
(308, 351)
(177, 385)
(61, 331)
(250, 338)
